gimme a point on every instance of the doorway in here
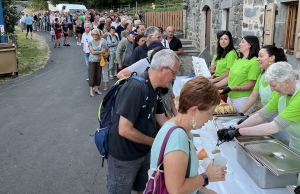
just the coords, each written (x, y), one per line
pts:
(207, 27)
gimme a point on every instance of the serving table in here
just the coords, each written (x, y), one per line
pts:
(237, 180)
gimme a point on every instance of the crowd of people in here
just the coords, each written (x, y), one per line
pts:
(116, 45)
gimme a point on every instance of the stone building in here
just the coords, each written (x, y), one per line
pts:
(272, 21)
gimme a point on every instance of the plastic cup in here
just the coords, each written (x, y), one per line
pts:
(220, 160)
(206, 162)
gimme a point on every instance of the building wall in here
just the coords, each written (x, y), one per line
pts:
(246, 17)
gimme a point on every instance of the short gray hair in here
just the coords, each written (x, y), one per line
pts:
(150, 31)
(89, 24)
(280, 72)
(163, 58)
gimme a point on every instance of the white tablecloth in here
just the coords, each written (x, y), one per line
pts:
(239, 181)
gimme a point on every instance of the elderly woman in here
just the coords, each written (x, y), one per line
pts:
(198, 99)
(96, 48)
(286, 103)
(243, 74)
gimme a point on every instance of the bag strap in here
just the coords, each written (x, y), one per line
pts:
(163, 147)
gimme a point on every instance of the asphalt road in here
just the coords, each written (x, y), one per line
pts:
(45, 122)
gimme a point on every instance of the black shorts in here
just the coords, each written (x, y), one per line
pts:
(29, 28)
(70, 26)
(66, 34)
(79, 30)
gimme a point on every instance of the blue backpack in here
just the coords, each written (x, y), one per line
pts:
(106, 112)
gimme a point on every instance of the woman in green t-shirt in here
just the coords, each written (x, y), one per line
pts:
(243, 74)
(267, 55)
(285, 103)
(225, 56)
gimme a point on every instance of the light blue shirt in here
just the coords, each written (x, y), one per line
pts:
(178, 141)
(28, 20)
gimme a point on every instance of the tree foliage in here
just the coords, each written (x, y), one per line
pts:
(10, 15)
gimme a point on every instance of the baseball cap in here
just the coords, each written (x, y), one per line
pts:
(154, 44)
(132, 32)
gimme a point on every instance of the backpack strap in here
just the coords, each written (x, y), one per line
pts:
(143, 81)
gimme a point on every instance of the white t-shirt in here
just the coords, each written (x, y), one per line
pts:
(52, 19)
(139, 66)
(86, 38)
(165, 43)
(114, 24)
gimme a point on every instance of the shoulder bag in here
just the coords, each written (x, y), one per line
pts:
(156, 183)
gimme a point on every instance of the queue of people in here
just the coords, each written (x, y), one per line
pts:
(126, 45)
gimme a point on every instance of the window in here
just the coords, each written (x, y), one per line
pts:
(291, 26)
(225, 19)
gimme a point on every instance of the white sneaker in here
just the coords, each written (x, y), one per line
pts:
(79, 44)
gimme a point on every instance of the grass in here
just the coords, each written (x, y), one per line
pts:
(31, 54)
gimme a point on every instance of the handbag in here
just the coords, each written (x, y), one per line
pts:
(102, 61)
(156, 183)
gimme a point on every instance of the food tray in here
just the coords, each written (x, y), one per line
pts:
(219, 119)
(277, 157)
(260, 174)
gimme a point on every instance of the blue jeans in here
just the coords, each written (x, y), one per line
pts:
(48, 27)
(86, 58)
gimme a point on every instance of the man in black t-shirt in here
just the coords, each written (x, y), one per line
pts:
(130, 136)
(174, 43)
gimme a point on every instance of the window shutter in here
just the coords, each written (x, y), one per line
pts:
(269, 24)
(297, 36)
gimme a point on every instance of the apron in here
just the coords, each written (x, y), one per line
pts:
(264, 92)
(294, 129)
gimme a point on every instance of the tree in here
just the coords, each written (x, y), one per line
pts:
(10, 15)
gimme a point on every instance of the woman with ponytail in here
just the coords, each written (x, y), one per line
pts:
(267, 55)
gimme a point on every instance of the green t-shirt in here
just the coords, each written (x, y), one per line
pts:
(224, 63)
(240, 73)
(264, 83)
(291, 112)
(81, 18)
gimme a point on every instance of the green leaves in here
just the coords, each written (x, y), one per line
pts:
(11, 16)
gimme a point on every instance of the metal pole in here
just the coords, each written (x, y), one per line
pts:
(2, 29)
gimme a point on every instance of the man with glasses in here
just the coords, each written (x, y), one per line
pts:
(174, 43)
(86, 38)
(152, 33)
(130, 137)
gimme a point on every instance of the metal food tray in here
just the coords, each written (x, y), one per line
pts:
(242, 139)
(274, 155)
(219, 119)
(260, 174)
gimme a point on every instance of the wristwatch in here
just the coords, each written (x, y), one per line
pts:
(205, 179)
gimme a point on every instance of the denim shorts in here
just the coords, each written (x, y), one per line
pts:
(125, 176)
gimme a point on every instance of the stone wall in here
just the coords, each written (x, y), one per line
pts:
(246, 17)
(253, 19)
